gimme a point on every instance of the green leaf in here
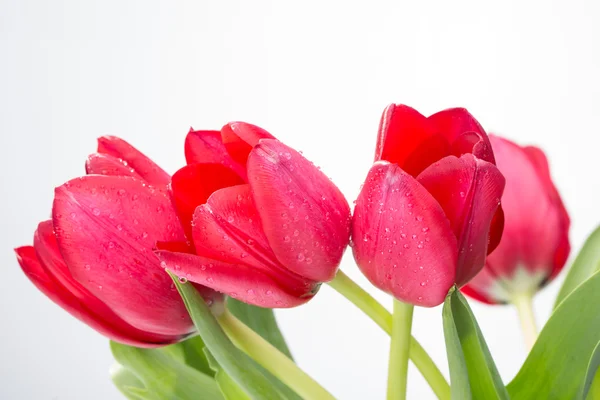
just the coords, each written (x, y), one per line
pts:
(565, 356)
(232, 360)
(261, 321)
(585, 265)
(128, 384)
(594, 393)
(155, 375)
(228, 386)
(194, 355)
(473, 373)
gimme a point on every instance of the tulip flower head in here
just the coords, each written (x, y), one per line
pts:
(266, 225)
(428, 213)
(535, 245)
(95, 259)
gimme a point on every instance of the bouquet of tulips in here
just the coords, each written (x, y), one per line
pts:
(182, 272)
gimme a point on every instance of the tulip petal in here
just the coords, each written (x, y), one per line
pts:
(464, 132)
(228, 228)
(84, 308)
(472, 292)
(208, 147)
(34, 270)
(105, 164)
(469, 191)
(143, 166)
(537, 223)
(413, 141)
(207, 294)
(240, 137)
(106, 228)
(305, 217)
(402, 131)
(238, 281)
(193, 184)
(403, 242)
(540, 162)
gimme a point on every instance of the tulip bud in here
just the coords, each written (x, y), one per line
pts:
(535, 244)
(95, 257)
(428, 213)
(267, 225)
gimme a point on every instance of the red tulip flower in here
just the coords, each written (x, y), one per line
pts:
(267, 225)
(535, 244)
(95, 257)
(428, 213)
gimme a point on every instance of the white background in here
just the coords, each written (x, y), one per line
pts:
(317, 74)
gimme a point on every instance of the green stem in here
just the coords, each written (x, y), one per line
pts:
(524, 305)
(381, 316)
(272, 359)
(399, 348)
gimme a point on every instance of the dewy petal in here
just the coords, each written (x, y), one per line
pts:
(193, 184)
(208, 147)
(240, 137)
(83, 307)
(228, 228)
(143, 166)
(469, 191)
(305, 217)
(106, 228)
(238, 281)
(402, 240)
(105, 164)
(463, 131)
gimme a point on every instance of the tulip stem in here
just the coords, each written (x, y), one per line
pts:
(271, 358)
(381, 316)
(524, 305)
(399, 350)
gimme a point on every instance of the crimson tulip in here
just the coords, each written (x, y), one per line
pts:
(95, 257)
(428, 213)
(535, 245)
(267, 226)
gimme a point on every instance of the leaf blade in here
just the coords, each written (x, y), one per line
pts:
(564, 357)
(163, 376)
(232, 360)
(586, 264)
(262, 321)
(473, 372)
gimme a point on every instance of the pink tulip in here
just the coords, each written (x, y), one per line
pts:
(95, 257)
(266, 224)
(535, 244)
(428, 213)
